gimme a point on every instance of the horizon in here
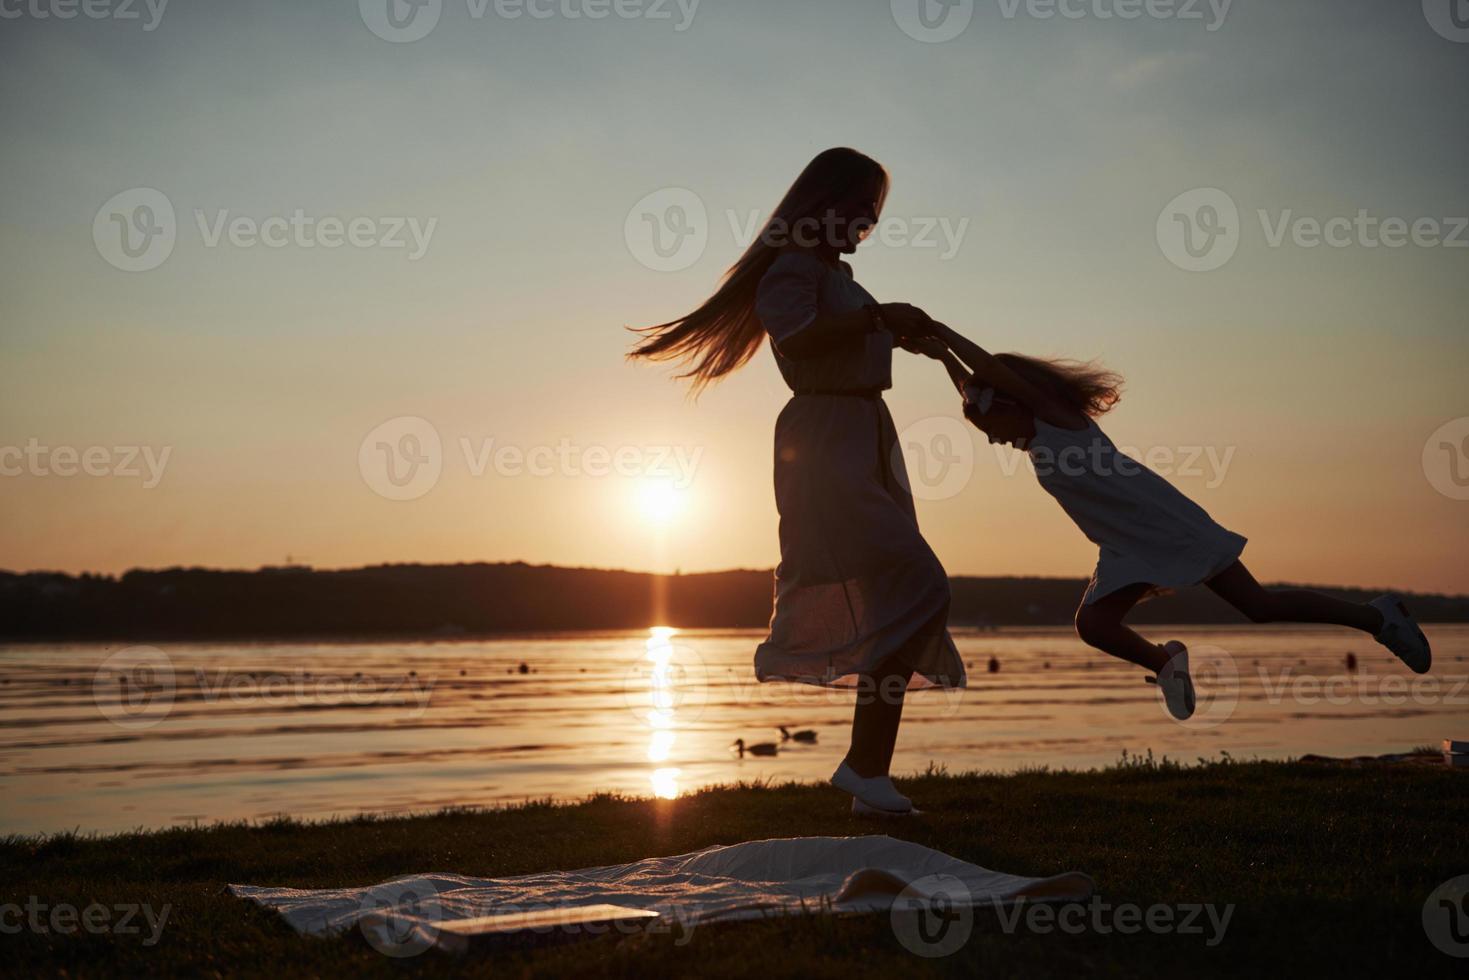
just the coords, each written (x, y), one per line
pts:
(305, 566)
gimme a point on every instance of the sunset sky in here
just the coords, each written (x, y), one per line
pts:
(522, 148)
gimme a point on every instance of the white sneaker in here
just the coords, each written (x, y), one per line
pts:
(871, 797)
(1401, 634)
(1174, 682)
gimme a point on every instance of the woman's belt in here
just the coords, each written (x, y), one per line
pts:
(842, 392)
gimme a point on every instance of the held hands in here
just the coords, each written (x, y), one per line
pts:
(913, 330)
(927, 346)
(905, 320)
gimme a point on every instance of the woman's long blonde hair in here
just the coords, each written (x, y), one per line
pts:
(724, 332)
(1086, 386)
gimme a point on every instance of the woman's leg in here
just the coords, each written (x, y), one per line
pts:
(1236, 586)
(879, 708)
(875, 721)
(1100, 625)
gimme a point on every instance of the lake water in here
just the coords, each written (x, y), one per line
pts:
(113, 738)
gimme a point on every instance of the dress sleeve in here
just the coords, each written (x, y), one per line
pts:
(786, 301)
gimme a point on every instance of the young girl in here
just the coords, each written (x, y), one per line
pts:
(1151, 536)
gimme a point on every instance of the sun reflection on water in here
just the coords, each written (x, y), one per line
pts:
(661, 695)
(661, 745)
(665, 783)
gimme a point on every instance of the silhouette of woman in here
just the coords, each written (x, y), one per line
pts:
(860, 598)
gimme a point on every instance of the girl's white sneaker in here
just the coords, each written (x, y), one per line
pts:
(1175, 683)
(1401, 634)
(871, 797)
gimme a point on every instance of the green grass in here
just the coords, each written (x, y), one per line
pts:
(1328, 869)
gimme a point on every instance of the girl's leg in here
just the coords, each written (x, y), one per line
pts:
(879, 708)
(1100, 625)
(1236, 586)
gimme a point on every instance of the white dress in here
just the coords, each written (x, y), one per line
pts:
(1147, 530)
(856, 581)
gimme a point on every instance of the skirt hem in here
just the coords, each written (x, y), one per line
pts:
(1107, 580)
(938, 663)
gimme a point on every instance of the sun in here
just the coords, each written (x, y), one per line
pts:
(660, 501)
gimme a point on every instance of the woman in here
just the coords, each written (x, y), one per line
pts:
(860, 598)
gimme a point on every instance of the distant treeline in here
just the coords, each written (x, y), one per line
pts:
(449, 600)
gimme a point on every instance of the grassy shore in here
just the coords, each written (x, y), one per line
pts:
(1327, 867)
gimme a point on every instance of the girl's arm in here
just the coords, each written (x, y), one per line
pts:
(995, 374)
(957, 373)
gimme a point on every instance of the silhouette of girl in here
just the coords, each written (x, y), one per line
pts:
(1150, 536)
(860, 598)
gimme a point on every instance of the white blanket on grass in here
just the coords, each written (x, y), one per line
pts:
(801, 875)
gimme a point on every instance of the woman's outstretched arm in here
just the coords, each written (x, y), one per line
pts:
(830, 329)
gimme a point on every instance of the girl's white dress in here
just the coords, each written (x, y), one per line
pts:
(856, 581)
(1147, 530)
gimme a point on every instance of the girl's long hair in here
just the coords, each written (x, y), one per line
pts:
(724, 332)
(1086, 386)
